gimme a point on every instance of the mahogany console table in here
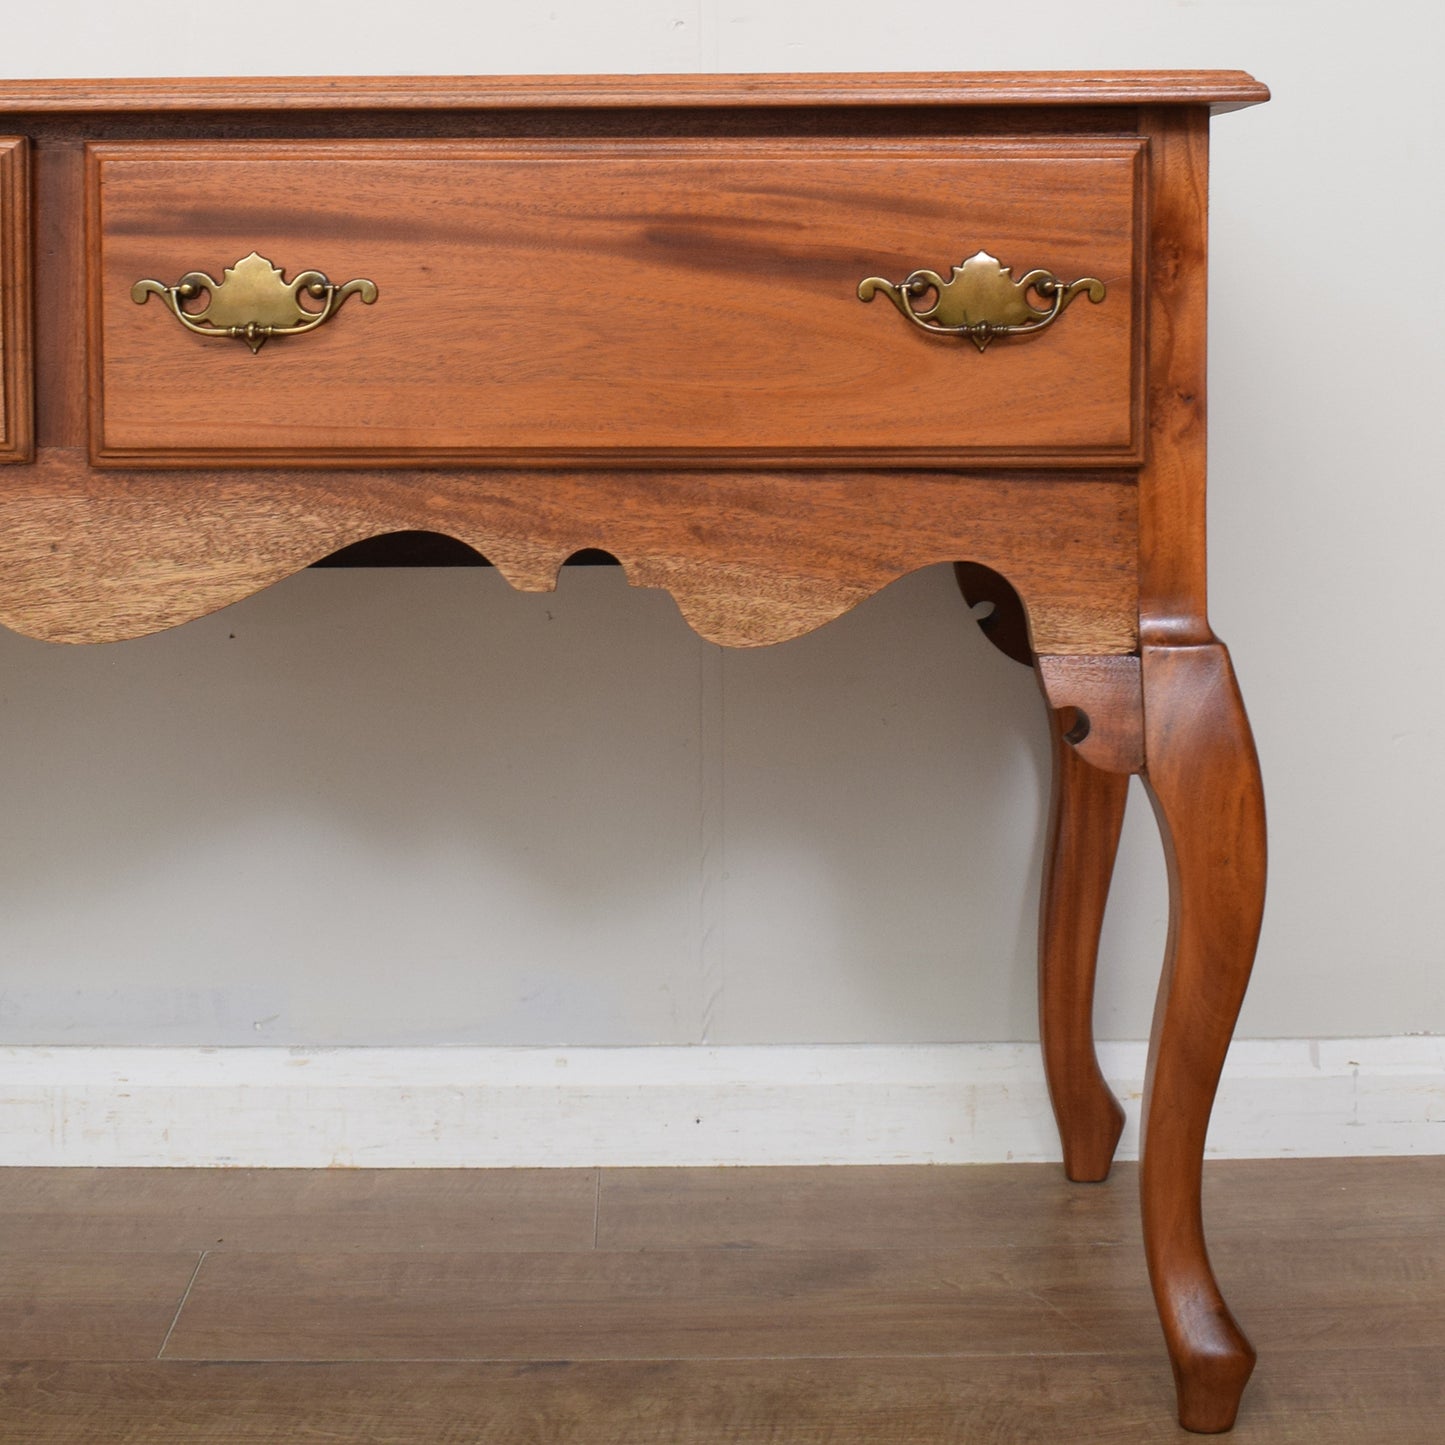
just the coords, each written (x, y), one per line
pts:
(772, 341)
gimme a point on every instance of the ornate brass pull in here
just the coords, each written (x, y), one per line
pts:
(253, 301)
(981, 300)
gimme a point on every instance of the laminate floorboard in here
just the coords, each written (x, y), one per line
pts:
(297, 1209)
(943, 1306)
(789, 1303)
(881, 1207)
(673, 1304)
(1359, 1397)
(76, 1305)
(984, 1204)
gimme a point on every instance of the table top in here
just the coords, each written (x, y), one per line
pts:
(1220, 89)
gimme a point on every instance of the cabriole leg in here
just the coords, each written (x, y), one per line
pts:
(1086, 813)
(1085, 817)
(1203, 778)
(1097, 733)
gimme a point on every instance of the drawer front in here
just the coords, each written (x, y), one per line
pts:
(15, 360)
(617, 302)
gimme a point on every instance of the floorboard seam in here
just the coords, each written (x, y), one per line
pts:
(175, 1320)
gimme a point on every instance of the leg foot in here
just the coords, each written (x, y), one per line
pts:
(1203, 778)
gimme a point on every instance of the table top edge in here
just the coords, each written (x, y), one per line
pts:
(1219, 89)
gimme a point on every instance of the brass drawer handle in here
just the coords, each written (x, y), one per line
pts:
(253, 301)
(981, 300)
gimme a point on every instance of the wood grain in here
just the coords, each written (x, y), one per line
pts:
(1203, 778)
(1172, 555)
(855, 1208)
(1102, 704)
(750, 558)
(1341, 1204)
(87, 1304)
(784, 1303)
(664, 1304)
(688, 302)
(1337, 1262)
(1220, 89)
(62, 402)
(169, 1210)
(16, 368)
(1381, 1395)
(1333, 1201)
(1086, 816)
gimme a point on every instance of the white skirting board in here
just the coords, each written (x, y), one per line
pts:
(815, 1104)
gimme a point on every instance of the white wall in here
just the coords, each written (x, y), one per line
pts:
(418, 808)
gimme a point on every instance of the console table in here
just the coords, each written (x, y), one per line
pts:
(771, 341)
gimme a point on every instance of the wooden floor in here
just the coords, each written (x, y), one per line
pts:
(975, 1306)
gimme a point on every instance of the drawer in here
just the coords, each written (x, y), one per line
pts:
(692, 301)
(15, 362)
